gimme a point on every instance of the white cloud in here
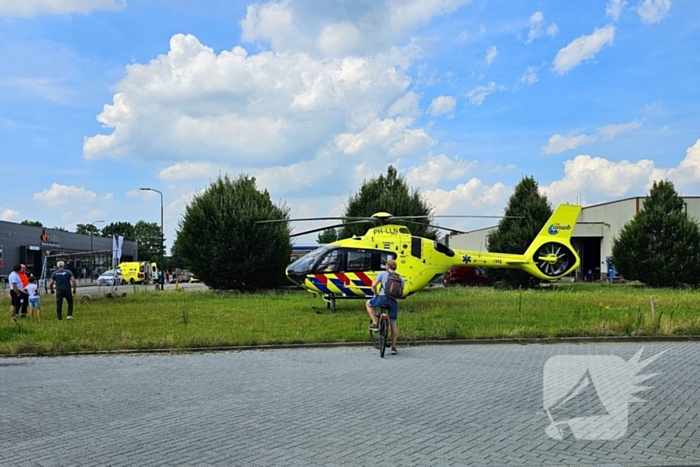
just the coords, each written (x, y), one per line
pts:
(391, 136)
(688, 171)
(29, 8)
(614, 9)
(95, 213)
(283, 106)
(491, 55)
(406, 105)
(597, 178)
(338, 28)
(63, 195)
(539, 28)
(653, 11)
(51, 89)
(436, 169)
(442, 105)
(559, 143)
(583, 48)
(610, 131)
(470, 198)
(186, 170)
(586, 175)
(140, 194)
(477, 95)
(7, 214)
(530, 76)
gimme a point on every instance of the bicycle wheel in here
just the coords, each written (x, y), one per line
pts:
(383, 331)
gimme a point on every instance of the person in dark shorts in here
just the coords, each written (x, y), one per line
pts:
(15, 284)
(24, 298)
(380, 299)
(63, 279)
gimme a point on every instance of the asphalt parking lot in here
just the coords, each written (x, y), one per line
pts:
(429, 405)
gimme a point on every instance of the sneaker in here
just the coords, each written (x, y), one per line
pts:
(374, 327)
(69, 317)
(393, 351)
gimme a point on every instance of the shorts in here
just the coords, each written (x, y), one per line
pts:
(16, 300)
(35, 302)
(384, 301)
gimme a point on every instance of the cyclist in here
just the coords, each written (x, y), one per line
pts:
(380, 299)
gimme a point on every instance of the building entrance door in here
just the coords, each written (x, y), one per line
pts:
(590, 257)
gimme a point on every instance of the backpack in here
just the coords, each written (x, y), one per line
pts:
(394, 286)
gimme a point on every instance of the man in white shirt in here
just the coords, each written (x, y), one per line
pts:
(16, 286)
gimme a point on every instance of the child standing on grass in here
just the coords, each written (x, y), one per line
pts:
(34, 301)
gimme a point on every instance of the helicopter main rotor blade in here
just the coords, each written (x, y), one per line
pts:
(433, 226)
(455, 217)
(315, 219)
(328, 227)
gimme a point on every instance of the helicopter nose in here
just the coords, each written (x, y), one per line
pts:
(295, 277)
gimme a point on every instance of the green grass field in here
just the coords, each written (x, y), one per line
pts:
(172, 319)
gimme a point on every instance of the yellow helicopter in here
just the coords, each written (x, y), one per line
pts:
(346, 268)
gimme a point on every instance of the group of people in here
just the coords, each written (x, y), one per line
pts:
(25, 296)
(24, 293)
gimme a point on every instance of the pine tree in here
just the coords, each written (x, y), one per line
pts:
(660, 247)
(223, 245)
(327, 236)
(516, 235)
(390, 194)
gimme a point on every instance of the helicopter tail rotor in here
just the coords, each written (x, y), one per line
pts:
(551, 256)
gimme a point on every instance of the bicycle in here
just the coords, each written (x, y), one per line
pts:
(380, 338)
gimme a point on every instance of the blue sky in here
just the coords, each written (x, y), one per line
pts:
(594, 99)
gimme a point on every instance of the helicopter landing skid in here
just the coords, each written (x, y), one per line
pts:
(330, 302)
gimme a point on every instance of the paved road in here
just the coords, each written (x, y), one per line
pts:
(84, 289)
(438, 405)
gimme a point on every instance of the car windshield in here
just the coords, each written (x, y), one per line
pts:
(306, 262)
(108, 273)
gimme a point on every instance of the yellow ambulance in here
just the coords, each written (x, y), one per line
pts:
(139, 272)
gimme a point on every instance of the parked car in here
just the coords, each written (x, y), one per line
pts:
(466, 275)
(108, 278)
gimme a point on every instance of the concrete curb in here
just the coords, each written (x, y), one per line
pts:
(239, 348)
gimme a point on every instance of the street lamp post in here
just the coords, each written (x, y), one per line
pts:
(162, 236)
(92, 257)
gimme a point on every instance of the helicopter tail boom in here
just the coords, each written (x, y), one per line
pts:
(550, 255)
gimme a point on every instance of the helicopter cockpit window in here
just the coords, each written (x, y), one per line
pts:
(445, 250)
(332, 262)
(304, 264)
(359, 260)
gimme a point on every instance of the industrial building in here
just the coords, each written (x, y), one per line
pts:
(592, 238)
(30, 245)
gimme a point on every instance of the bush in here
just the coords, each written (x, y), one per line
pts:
(660, 247)
(222, 243)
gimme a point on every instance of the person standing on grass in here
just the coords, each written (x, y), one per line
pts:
(34, 301)
(382, 299)
(24, 298)
(15, 291)
(63, 279)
